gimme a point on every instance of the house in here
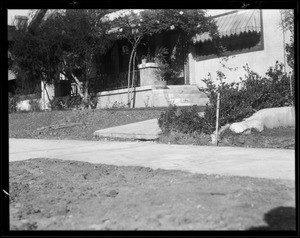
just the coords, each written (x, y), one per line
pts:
(252, 37)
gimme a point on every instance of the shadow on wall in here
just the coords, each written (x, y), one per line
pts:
(280, 218)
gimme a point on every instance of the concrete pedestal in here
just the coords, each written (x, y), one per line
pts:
(147, 74)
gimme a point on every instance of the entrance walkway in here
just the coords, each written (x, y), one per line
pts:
(252, 162)
(144, 130)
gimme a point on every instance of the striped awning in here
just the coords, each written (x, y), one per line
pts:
(234, 23)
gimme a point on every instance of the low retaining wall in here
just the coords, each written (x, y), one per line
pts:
(142, 97)
(149, 96)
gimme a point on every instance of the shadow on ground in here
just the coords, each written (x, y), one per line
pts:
(280, 218)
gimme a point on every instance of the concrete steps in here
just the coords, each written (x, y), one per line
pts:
(181, 95)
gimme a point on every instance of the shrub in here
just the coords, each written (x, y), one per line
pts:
(66, 102)
(184, 120)
(35, 105)
(270, 91)
(93, 102)
(12, 104)
(237, 101)
(118, 105)
(233, 104)
(194, 138)
(241, 100)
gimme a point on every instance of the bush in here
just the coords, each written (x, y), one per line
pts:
(35, 105)
(233, 103)
(117, 105)
(12, 104)
(66, 102)
(180, 138)
(237, 101)
(241, 100)
(185, 120)
(93, 102)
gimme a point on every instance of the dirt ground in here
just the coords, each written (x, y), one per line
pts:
(47, 194)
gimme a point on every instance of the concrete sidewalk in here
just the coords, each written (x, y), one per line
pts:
(252, 162)
(144, 130)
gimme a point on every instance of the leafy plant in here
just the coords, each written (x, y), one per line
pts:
(34, 105)
(135, 26)
(241, 100)
(287, 23)
(237, 101)
(184, 120)
(64, 43)
(194, 138)
(118, 105)
(64, 103)
(12, 103)
(163, 72)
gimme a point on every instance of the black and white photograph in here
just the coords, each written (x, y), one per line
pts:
(149, 119)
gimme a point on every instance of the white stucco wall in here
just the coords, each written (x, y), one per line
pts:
(258, 61)
(108, 99)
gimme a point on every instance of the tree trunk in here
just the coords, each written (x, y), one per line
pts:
(45, 88)
(88, 60)
(86, 92)
(129, 74)
(133, 77)
(137, 41)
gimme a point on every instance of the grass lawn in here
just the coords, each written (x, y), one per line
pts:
(83, 123)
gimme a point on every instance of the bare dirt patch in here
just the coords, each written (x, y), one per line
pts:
(47, 194)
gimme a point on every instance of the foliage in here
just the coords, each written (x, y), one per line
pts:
(135, 26)
(66, 102)
(118, 105)
(163, 72)
(35, 105)
(240, 100)
(194, 138)
(237, 101)
(287, 23)
(185, 120)
(12, 103)
(64, 43)
(290, 49)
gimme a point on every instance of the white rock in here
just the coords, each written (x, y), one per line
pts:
(268, 117)
(256, 124)
(275, 117)
(238, 127)
(23, 105)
